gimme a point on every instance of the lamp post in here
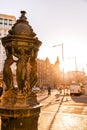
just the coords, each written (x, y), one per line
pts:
(62, 57)
(62, 50)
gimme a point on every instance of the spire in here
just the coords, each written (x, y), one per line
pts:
(57, 61)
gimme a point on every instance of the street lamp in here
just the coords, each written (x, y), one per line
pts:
(62, 50)
(62, 56)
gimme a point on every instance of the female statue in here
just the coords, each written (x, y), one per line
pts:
(7, 72)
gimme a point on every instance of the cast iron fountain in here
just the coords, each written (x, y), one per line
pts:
(20, 111)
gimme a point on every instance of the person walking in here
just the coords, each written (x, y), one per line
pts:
(49, 90)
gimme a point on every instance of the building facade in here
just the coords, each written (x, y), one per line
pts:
(47, 73)
(6, 23)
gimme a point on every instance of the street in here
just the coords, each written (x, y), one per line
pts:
(63, 113)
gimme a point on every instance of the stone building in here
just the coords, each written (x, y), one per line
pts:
(48, 74)
(6, 22)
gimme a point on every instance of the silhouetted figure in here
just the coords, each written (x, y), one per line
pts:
(49, 90)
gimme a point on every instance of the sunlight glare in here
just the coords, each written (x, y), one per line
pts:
(47, 50)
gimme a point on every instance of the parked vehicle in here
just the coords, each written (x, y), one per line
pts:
(75, 89)
(36, 89)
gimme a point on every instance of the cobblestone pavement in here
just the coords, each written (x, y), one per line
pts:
(70, 115)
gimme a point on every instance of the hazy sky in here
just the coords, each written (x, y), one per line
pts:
(55, 22)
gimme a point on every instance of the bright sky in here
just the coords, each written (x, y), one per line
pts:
(56, 22)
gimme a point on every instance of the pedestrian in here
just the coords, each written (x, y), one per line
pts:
(49, 90)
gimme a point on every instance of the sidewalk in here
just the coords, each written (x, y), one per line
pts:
(50, 119)
(49, 111)
(44, 96)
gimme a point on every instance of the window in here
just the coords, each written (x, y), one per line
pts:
(1, 20)
(10, 22)
(5, 21)
(5, 25)
(1, 25)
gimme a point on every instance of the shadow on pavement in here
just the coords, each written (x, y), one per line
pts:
(80, 99)
(55, 114)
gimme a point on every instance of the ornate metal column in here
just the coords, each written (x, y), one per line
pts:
(20, 111)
